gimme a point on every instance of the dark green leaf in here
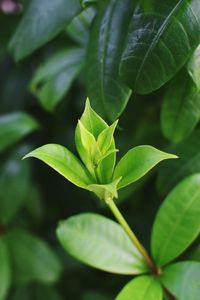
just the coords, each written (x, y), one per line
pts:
(15, 126)
(177, 222)
(42, 21)
(107, 93)
(141, 288)
(183, 280)
(162, 36)
(194, 254)
(194, 67)
(64, 162)
(100, 243)
(5, 270)
(181, 108)
(33, 259)
(137, 162)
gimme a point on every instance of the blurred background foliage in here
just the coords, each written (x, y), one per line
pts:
(44, 81)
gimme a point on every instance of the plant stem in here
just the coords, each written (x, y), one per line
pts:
(109, 201)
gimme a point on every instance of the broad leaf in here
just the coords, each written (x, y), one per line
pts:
(177, 222)
(5, 270)
(171, 172)
(181, 108)
(100, 243)
(42, 21)
(54, 78)
(137, 162)
(151, 57)
(182, 280)
(33, 259)
(194, 67)
(64, 162)
(141, 288)
(14, 184)
(15, 126)
(107, 93)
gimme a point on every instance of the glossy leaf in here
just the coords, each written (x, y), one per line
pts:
(5, 270)
(182, 280)
(64, 162)
(171, 172)
(89, 238)
(151, 57)
(107, 93)
(177, 223)
(141, 288)
(181, 108)
(14, 184)
(194, 67)
(54, 78)
(13, 127)
(34, 260)
(137, 162)
(42, 21)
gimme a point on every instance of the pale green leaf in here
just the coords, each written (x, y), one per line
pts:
(105, 138)
(141, 288)
(100, 243)
(5, 270)
(137, 162)
(105, 191)
(64, 162)
(177, 222)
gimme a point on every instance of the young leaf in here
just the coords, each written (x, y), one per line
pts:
(104, 191)
(5, 270)
(100, 243)
(53, 79)
(14, 126)
(42, 21)
(64, 162)
(194, 67)
(105, 138)
(107, 93)
(33, 259)
(182, 280)
(137, 162)
(141, 288)
(181, 108)
(150, 57)
(177, 222)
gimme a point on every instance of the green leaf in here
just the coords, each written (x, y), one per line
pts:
(14, 184)
(182, 280)
(105, 191)
(141, 288)
(42, 21)
(54, 78)
(100, 243)
(151, 57)
(13, 127)
(105, 138)
(181, 108)
(177, 223)
(107, 93)
(64, 162)
(170, 173)
(5, 270)
(137, 162)
(33, 259)
(194, 67)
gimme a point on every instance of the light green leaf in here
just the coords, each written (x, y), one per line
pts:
(34, 260)
(54, 78)
(5, 270)
(150, 57)
(42, 21)
(180, 109)
(141, 288)
(182, 280)
(13, 127)
(105, 191)
(171, 172)
(64, 162)
(177, 222)
(105, 138)
(137, 162)
(194, 67)
(14, 184)
(107, 93)
(100, 243)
